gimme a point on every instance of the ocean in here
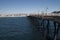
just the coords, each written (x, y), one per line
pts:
(20, 28)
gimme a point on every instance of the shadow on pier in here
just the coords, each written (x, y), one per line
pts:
(44, 28)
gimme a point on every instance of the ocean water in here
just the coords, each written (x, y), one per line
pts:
(17, 28)
(20, 28)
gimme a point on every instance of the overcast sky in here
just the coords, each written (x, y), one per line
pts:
(28, 6)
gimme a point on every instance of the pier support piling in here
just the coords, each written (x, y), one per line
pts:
(46, 32)
(54, 37)
(56, 31)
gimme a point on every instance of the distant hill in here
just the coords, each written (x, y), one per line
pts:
(56, 12)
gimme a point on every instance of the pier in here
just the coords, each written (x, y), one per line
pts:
(46, 29)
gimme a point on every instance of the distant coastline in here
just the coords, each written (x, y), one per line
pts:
(13, 15)
(24, 15)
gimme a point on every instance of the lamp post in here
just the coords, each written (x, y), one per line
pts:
(46, 10)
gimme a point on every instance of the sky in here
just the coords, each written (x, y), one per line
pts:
(28, 6)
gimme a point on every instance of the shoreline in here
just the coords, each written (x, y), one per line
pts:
(12, 16)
